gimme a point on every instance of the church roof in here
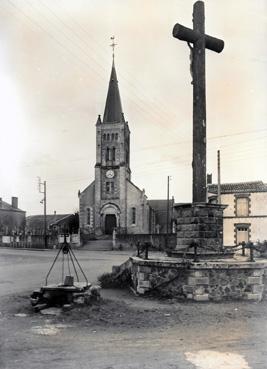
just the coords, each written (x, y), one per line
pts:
(113, 110)
(243, 187)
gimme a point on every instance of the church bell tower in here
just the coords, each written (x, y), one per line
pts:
(112, 168)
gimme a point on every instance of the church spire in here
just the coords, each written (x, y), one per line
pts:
(113, 110)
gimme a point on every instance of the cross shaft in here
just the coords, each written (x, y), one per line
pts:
(200, 42)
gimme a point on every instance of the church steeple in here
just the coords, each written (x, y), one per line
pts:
(113, 110)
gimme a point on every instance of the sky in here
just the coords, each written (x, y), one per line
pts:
(55, 62)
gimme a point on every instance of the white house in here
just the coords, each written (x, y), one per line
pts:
(245, 218)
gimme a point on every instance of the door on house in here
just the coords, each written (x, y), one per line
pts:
(241, 234)
(110, 223)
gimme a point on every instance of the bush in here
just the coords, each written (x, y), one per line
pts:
(261, 248)
(111, 280)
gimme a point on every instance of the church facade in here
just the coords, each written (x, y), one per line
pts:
(112, 200)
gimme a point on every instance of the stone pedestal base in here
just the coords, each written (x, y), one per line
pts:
(200, 224)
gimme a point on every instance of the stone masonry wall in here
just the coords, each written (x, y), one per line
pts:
(201, 224)
(204, 281)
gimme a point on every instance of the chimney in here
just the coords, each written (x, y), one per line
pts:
(209, 179)
(14, 202)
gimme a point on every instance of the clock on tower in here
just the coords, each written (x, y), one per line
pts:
(110, 173)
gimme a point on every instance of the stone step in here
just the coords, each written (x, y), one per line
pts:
(98, 245)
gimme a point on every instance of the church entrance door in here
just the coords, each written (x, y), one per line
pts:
(110, 223)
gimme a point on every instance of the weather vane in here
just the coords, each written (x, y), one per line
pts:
(113, 45)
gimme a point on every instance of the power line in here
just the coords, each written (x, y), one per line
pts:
(36, 24)
(208, 138)
(140, 90)
(137, 102)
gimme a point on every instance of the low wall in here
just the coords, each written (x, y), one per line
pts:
(37, 241)
(200, 281)
(159, 241)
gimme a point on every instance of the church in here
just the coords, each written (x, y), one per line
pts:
(112, 200)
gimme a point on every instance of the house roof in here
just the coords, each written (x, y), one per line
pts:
(159, 205)
(5, 206)
(113, 109)
(37, 221)
(241, 187)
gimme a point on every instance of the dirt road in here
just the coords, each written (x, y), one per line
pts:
(124, 331)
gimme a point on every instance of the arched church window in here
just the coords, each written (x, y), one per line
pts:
(110, 187)
(133, 215)
(107, 154)
(89, 216)
(108, 137)
(104, 137)
(107, 186)
(112, 136)
(113, 153)
(116, 136)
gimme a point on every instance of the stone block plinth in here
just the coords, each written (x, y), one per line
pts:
(200, 224)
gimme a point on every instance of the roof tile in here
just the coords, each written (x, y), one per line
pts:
(241, 187)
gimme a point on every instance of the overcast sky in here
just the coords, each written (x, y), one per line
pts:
(55, 63)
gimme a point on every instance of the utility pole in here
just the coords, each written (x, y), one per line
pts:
(40, 184)
(219, 177)
(168, 210)
(172, 215)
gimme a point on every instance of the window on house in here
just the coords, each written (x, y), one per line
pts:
(242, 234)
(133, 215)
(242, 207)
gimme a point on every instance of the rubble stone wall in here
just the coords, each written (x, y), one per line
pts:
(202, 281)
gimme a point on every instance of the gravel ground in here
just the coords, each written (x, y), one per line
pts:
(122, 331)
(125, 331)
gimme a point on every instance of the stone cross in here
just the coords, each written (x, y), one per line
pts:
(200, 41)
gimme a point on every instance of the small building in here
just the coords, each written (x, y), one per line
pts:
(56, 224)
(245, 218)
(160, 209)
(12, 219)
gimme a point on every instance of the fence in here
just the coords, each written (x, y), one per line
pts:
(37, 241)
(259, 249)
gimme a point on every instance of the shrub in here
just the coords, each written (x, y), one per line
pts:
(112, 280)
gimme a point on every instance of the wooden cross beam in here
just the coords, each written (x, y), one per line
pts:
(200, 41)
